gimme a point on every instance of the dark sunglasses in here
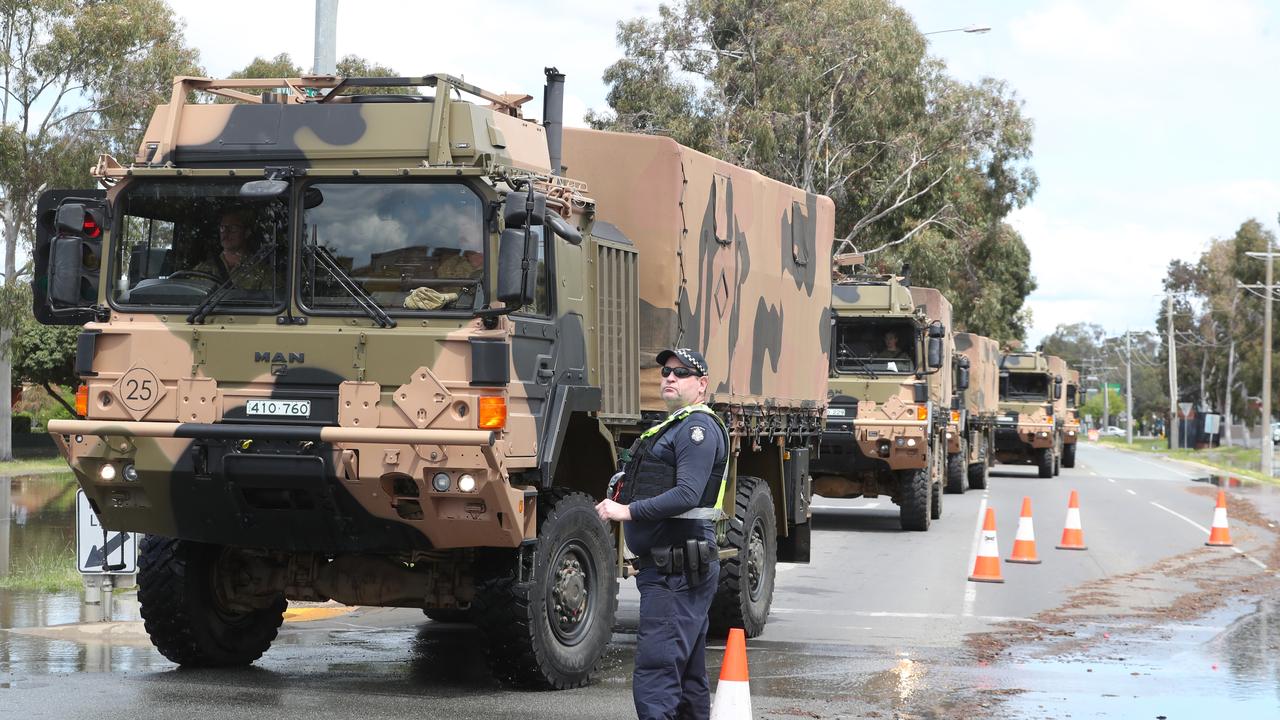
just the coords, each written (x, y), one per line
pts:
(680, 372)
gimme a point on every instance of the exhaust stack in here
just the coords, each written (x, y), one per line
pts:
(553, 115)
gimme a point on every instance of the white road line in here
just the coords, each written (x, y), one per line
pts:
(888, 614)
(1166, 468)
(1093, 473)
(868, 506)
(1205, 530)
(970, 588)
(1111, 480)
(1130, 491)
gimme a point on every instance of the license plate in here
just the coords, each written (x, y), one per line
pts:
(835, 412)
(279, 408)
(1006, 419)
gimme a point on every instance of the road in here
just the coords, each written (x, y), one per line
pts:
(1147, 621)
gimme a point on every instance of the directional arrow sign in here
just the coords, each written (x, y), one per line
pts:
(115, 553)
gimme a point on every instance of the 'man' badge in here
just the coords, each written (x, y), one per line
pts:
(697, 435)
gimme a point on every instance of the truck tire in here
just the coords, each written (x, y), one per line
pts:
(745, 590)
(550, 631)
(978, 475)
(1069, 455)
(935, 501)
(956, 480)
(1057, 465)
(913, 499)
(1045, 462)
(182, 614)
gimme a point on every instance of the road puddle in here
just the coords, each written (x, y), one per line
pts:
(1200, 669)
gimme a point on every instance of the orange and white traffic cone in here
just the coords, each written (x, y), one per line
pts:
(1220, 534)
(733, 692)
(1024, 543)
(986, 566)
(1073, 534)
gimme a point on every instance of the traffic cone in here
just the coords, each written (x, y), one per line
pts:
(733, 692)
(1220, 535)
(986, 566)
(1024, 543)
(1073, 534)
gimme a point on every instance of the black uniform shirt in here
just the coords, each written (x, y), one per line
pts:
(694, 445)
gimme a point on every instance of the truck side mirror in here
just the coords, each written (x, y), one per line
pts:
(937, 329)
(934, 351)
(515, 214)
(962, 381)
(75, 254)
(1057, 390)
(511, 271)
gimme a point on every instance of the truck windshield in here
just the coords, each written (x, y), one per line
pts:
(407, 246)
(871, 347)
(178, 240)
(1025, 386)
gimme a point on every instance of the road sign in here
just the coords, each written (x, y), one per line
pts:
(99, 553)
(1185, 408)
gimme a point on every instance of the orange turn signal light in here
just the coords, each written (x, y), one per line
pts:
(922, 412)
(955, 416)
(493, 412)
(82, 401)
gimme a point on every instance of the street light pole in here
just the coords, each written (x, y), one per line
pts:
(1128, 388)
(1268, 450)
(1173, 375)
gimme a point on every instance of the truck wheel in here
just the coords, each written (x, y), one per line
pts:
(914, 495)
(551, 630)
(177, 581)
(1046, 462)
(978, 475)
(956, 471)
(935, 501)
(1057, 465)
(1069, 455)
(745, 590)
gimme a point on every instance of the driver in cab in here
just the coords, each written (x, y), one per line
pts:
(235, 245)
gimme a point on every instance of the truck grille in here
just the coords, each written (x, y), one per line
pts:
(617, 314)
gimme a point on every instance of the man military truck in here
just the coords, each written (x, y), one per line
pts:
(1027, 431)
(980, 403)
(410, 381)
(889, 395)
(1071, 419)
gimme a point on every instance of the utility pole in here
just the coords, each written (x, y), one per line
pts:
(1128, 388)
(1268, 292)
(1173, 375)
(325, 61)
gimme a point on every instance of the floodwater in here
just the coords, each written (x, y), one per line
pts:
(37, 520)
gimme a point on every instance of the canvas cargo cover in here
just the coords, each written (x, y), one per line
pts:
(937, 307)
(731, 263)
(983, 395)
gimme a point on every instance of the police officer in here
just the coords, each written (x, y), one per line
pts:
(668, 498)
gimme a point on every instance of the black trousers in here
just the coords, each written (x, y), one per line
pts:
(670, 678)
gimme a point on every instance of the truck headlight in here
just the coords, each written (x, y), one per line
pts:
(440, 482)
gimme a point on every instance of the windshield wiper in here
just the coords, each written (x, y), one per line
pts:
(216, 295)
(370, 306)
(861, 363)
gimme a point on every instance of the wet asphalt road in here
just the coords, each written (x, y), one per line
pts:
(881, 622)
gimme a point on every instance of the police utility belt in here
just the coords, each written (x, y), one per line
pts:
(693, 560)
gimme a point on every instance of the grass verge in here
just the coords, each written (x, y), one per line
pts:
(33, 465)
(1242, 462)
(46, 569)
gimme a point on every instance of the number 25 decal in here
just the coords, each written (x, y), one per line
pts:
(138, 390)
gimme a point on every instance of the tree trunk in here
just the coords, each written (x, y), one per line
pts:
(6, 363)
(57, 396)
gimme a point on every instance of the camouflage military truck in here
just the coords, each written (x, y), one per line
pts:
(1027, 428)
(379, 349)
(889, 396)
(1071, 418)
(980, 403)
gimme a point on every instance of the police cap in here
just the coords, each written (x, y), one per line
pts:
(688, 357)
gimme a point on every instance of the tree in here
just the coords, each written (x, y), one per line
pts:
(79, 77)
(45, 356)
(283, 66)
(839, 97)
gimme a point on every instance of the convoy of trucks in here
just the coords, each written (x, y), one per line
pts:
(428, 352)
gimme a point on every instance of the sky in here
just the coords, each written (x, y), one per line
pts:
(1157, 121)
